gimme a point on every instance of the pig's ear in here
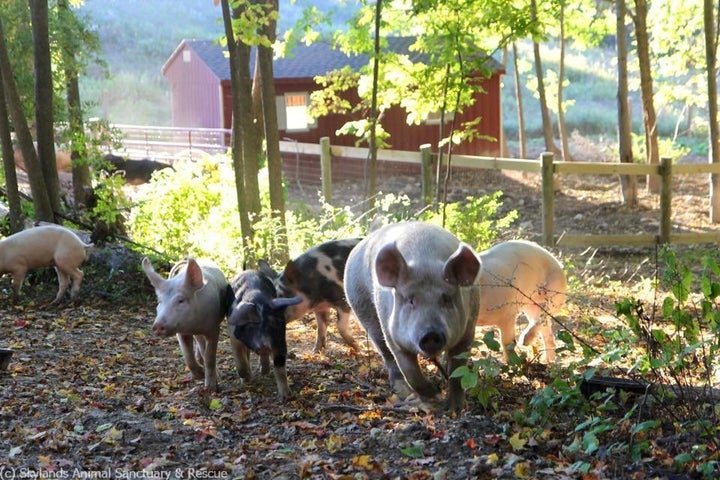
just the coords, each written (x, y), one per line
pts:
(265, 268)
(241, 310)
(462, 267)
(290, 275)
(194, 275)
(155, 280)
(390, 266)
(278, 303)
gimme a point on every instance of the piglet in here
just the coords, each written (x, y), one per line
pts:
(521, 277)
(191, 305)
(256, 319)
(44, 246)
(316, 276)
(413, 286)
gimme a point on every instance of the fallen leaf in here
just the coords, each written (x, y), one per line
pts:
(516, 442)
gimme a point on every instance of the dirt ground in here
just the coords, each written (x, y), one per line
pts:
(91, 393)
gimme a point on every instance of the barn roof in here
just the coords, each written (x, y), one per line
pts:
(305, 61)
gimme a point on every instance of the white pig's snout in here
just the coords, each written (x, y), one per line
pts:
(160, 330)
(432, 341)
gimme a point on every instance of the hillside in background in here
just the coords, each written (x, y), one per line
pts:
(138, 36)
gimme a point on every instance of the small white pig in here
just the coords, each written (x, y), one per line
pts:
(44, 246)
(521, 277)
(191, 305)
(413, 287)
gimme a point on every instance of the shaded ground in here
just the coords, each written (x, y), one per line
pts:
(91, 392)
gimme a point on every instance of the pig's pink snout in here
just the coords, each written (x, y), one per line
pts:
(159, 330)
(432, 342)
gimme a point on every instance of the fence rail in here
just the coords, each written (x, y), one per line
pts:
(166, 140)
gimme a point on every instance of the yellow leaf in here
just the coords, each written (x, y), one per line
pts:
(113, 435)
(333, 443)
(492, 459)
(516, 442)
(363, 461)
(522, 470)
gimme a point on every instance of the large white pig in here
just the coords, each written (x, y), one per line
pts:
(44, 246)
(413, 287)
(191, 305)
(521, 277)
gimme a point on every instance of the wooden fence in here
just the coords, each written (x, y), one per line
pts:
(549, 169)
(152, 140)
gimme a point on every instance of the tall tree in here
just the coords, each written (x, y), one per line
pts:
(270, 122)
(44, 115)
(562, 128)
(628, 183)
(239, 60)
(41, 199)
(69, 32)
(646, 90)
(11, 181)
(547, 125)
(711, 44)
(519, 103)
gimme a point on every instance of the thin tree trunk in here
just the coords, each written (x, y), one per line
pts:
(374, 114)
(41, 200)
(11, 182)
(711, 61)
(518, 99)
(237, 146)
(544, 111)
(628, 183)
(45, 126)
(646, 89)
(78, 150)
(562, 130)
(272, 138)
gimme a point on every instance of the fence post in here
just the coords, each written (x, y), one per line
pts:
(548, 199)
(325, 170)
(426, 168)
(665, 170)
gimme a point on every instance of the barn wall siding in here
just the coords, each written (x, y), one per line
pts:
(195, 93)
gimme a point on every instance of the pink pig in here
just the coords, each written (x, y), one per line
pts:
(44, 246)
(191, 305)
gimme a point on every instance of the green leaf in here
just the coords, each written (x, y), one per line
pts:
(489, 339)
(413, 452)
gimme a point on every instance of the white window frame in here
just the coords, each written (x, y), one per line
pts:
(284, 112)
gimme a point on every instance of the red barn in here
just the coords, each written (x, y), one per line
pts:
(199, 75)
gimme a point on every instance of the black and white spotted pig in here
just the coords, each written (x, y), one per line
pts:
(256, 322)
(316, 276)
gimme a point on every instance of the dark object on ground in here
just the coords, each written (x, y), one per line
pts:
(600, 384)
(5, 356)
(136, 172)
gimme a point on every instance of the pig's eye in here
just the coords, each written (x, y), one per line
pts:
(445, 301)
(410, 300)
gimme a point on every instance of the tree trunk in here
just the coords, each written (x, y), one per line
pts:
(518, 99)
(544, 111)
(272, 138)
(562, 130)
(237, 148)
(374, 114)
(646, 89)
(711, 61)
(45, 126)
(78, 149)
(628, 183)
(11, 183)
(41, 200)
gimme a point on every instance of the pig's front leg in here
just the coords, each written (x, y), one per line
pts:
(343, 326)
(408, 365)
(210, 357)
(279, 359)
(187, 346)
(323, 318)
(241, 354)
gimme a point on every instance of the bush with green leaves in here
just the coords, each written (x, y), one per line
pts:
(674, 346)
